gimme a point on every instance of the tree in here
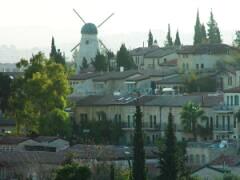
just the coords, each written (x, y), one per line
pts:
(150, 39)
(124, 58)
(139, 172)
(84, 64)
(177, 41)
(197, 31)
(204, 34)
(169, 41)
(237, 39)
(56, 55)
(214, 35)
(5, 91)
(168, 155)
(73, 172)
(36, 96)
(190, 115)
(100, 62)
(53, 52)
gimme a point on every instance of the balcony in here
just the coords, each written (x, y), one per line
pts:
(146, 126)
(225, 129)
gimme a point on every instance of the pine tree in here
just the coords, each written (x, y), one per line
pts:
(169, 41)
(85, 64)
(100, 62)
(214, 35)
(139, 172)
(53, 52)
(204, 34)
(237, 39)
(150, 39)
(169, 154)
(124, 58)
(197, 31)
(56, 55)
(177, 41)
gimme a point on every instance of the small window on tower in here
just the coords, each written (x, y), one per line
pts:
(87, 42)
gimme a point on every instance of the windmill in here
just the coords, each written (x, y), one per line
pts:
(89, 43)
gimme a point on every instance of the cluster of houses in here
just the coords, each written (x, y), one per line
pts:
(159, 86)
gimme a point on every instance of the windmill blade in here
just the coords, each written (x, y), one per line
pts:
(75, 47)
(105, 20)
(105, 47)
(79, 16)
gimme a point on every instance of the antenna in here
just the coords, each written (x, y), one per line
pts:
(79, 16)
(105, 20)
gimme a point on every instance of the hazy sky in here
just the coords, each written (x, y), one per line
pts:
(31, 23)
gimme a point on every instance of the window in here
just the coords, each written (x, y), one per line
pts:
(183, 65)
(202, 66)
(187, 66)
(231, 100)
(87, 42)
(235, 123)
(223, 122)
(216, 121)
(230, 80)
(197, 66)
(154, 120)
(236, 98)
(83, 117)
(211, 122)
(129, 121)
(150, 121)
(228, 123)
(164, 60)
(228, 100)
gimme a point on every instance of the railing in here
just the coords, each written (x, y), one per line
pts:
(223, 128)
(144, 125)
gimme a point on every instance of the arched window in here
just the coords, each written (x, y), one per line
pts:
(231, 100)
(236, 98)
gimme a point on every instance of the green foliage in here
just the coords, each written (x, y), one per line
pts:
(36, 96)
(204, 34)
(168, 155)
(150, 39)
(237, 39)
(197, 31)
(230, 177)
(48, 124)
(73, 172)
(98, 132)
(214, 35)
(138, 171)
(169, 42)
(194, 83)
(84, 64)
(177, 41)
(190, 115)
(124, 58)
(56, 55)
(5, 90)
(100, 62)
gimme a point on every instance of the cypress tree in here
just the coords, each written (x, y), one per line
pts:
(100, 62)
(214, 35)
(124, 58)
(168, 156)
(150, 39)
(177, 41)
(169, 41)
(197, 31)
(237, 39)
(204, 34)
(53, 52)
(139, 172)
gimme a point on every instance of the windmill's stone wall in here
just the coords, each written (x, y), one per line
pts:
(88, 49)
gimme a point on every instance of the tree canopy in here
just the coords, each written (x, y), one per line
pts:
(150, 39)
(5, 91)
(39, 95)
(124, 58)
(214, 35)
(139, 172)
(177, 41)
(100, 62)
(56, 55)
(169, 42)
